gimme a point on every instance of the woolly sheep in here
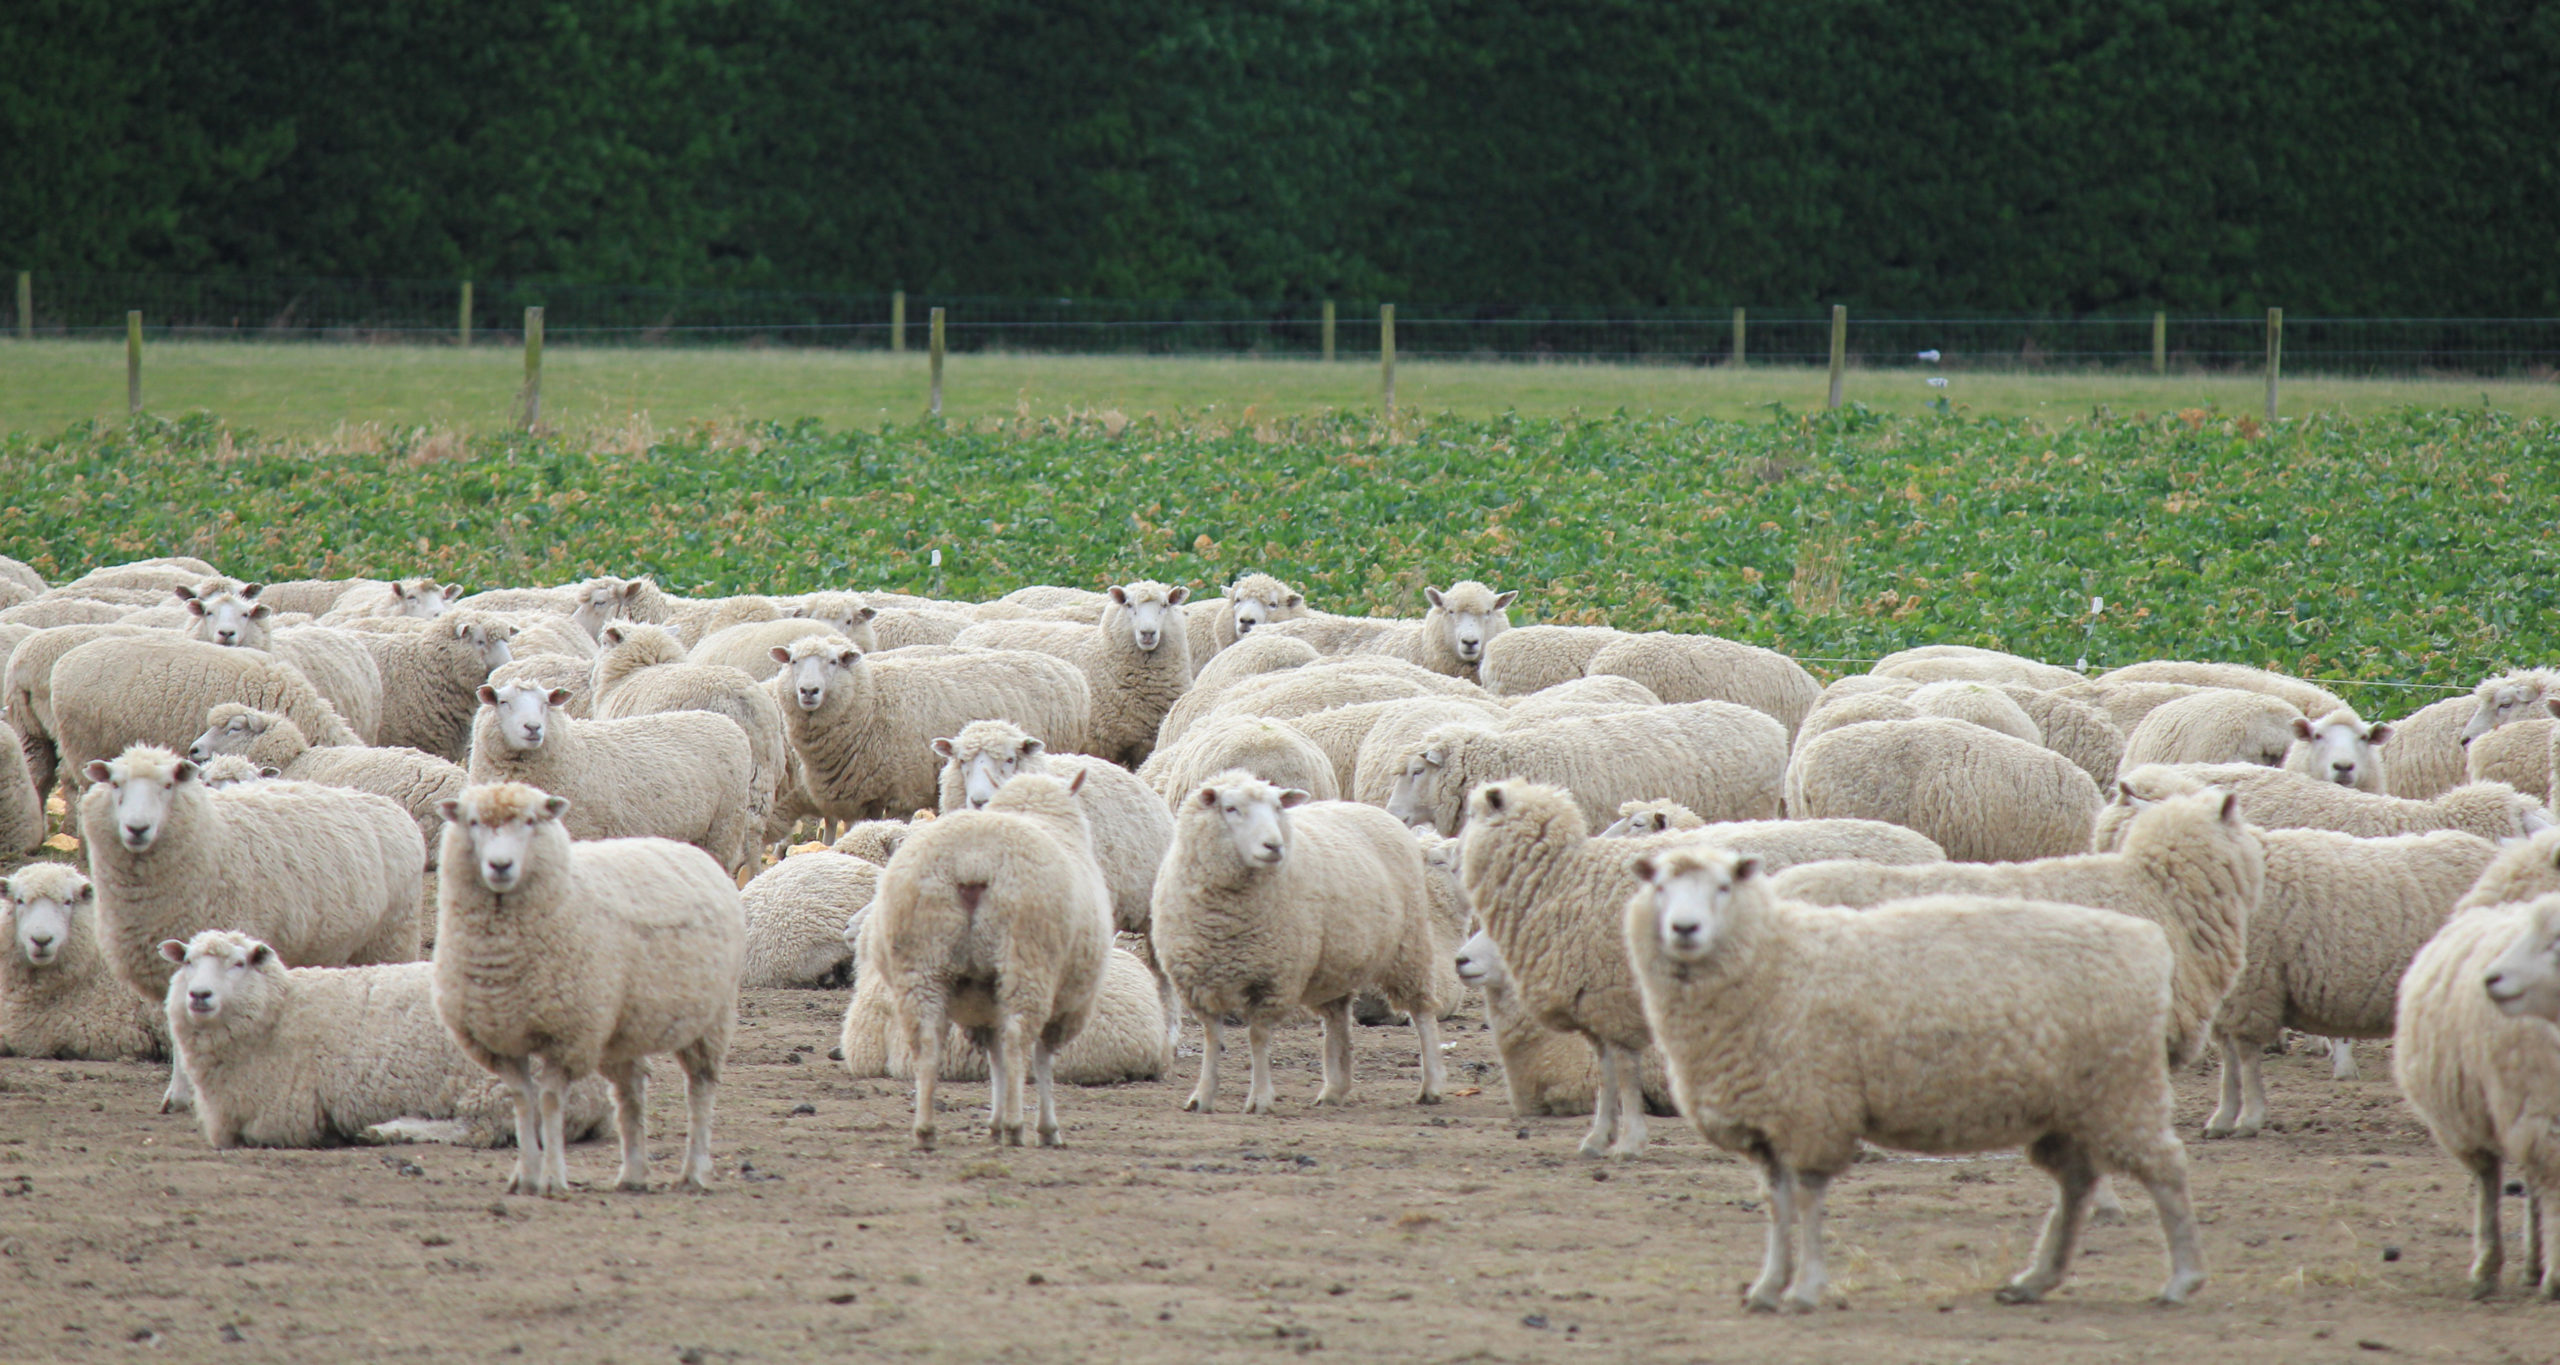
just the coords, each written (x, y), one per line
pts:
(432, 672)
(1964, 663)
(796, 913)
(1136, 662)
(22, 577)
(22, 827)
(1320, 686)
(749, 647)
(2340, 747)
(1377, 760)
(339, 664)
(1042, 597)
(863, 726)
(1126, 1039)
(319, 1056)
(1856, 708)
(2308, 698)
(905, 628)
(1731, 976)
(1984, 797)
(62, 611)
(642, 671)
(1268, 749)
(2427, 752)
(996, 919)
(120, 690)
(2126, 703)
(1268, 903)
(1782, 844)
(1131, 825)
(156, 575)
(697, 620)
(230, 770)
(1637, 819)
(1525, 659)
(2508, 698)
(416, 780)
(1591, 696)
(2474, 1055)
(545, 673)
(599, 601)
(1981, 703)
(421, 598)
(1545, 1071)
(2276, 799)
(586, 957)
(2216, 725)
(874, 841)
(680, 775)
(1689, 668)
(2076, 730)
(57, 996)
(1254, 599)
(2189, 864)
(1252, 657)
(2525, 869)
(1330, 635)
(2517, 754)
(1722, 760)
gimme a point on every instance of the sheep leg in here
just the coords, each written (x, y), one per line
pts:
(181, 1093)
(2105, 1207)
(2074, 1176)
(517, 1075)
(1778, 1188)
(1629, 1073)
(2538, 1247)
(1604, 1106)
(924, 1053)
(2342, 1059)
(1041, 1055)
(630, 1083)
(2488, 1240)
(2165, 1176)
(2226, 1114)
(1337, 1052)
(701, 1063)
(2253, 1094)
(1804, 1292)
(1428, 1029)
(555, 1129)
(1004, 1072)
(1258, 1096)
(1204, 1096)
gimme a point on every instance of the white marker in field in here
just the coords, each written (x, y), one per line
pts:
(1930, 355)
(937, 559)
(1937, 381)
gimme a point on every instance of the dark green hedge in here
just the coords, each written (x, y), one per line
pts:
(2336, 156)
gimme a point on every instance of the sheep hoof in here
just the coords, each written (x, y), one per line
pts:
(1427, 1097)
(2484, 1287)
(1761, 1301)
(1197, 1104)
(1594, 1146)
(2016, 1292)
(632, 1184)
(924, 1138)
(2179, 1287)
(1793, 1303)
(1049, 1138)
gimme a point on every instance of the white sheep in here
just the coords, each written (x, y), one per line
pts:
(1722, 760)
(22, 827)
(1782, 844)
(319, 1056)
(2427, 750)
(749, 647)
(996, 919)
(1545, 1071)
(873, 841)
(2508, 698)
(421, 598)
(1984, 704)
(693, 620)
(1951, 1024)
(683, 775)
(1386, 729)
(268, 741)
(796, 913)
(1984, 797)
(112, 693)
(1289, 693)
(2076, 730)
(556, 961)
(230, 770)
(2215, 725)
(1268, 904)
(2308, 698)
(432, 672)
(863, 726)
(2525, 869)
(1965, 663)
(57, 996)
(2276, 799)
(2126, 703)
(1525, 659)
(547, 674)
(1126, 1039)
(906, 628)
(1131, 825)
(2517, 754)
(1272, 750)
(642, 671)
(1254, 599)
(1251, 657)
(1854, 708)
(1689, 668)
(48, 612)
(2475, 1054)
(1136, 661)
(339, 664)
(2340, 747)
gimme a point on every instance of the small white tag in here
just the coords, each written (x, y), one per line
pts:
(2096, 604)
(937, 559)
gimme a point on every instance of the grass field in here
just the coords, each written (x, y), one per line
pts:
(46, 386)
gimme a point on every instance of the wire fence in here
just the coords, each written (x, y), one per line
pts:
(419, 311)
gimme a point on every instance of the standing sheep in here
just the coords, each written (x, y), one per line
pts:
(1131, 825)
(1526, 659)
(1260, 654)
(863, 726)
(1272, 750)
(1952, 1024)
(2076, 730)
(1964, 663)
(1691, 668)
(1254, 599)
(1984, 797)
(2308, 698)
(432, 673)
(2216, 725)
(2427, 750)
(57, 997)
(2340, 747)
(111, 694)
(1723, 761)
(418, 781)
(2276, 799)
(996, 919)
(642, 671)
(749, 647)
(1268, 904)
(587, 958)
(22, 828)
(682, 776)
(2518, 754)
(1136, 662)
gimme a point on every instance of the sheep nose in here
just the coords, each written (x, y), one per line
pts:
(533, 734)
(500, 867)
(40, 941)
(1244, 627)
(196, 752)
(200, 1000)
(136, 831)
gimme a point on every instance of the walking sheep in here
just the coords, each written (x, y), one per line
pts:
(585, 959)
(57, 997)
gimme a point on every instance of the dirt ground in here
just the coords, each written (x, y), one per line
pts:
(1384, 1230)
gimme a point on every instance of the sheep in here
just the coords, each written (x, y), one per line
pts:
(1547, 894)
(1377, 757)
(874, 841)
(1980, 703)
(321, 1056)
(1593, 696)
(538, 633)
(1856, 708)
(2508, 698)
(749, 647)
(1294, 692)
(1722, 760)
(419, 598)
(156, 575)
(1136, 662)
(2474, 1054)
(904, 628)
(339, 664)
(545, 673)
(1525, 659)
(1688, 668)
(1984, 797)
(796, 912)
(1251, 657)
(1782, 844)
(1042, 597)
(2427, 752)
(57, 996)
(22, 577)
(1126, 1039)
(1637, 819)
(2340, 747)
(2517, 754)
(432, 672)
(269, 741)
(1131, 824)
(2042, 1024)
(694, 621)
(230, 770)
(2216, 725)
(996, 919)
(124, 690)
(47, 612)
(1268, 903)
(642, 670)
(1545, 1071)
(680, 775)
(22, 827)
(2126, 703)
(1964, 663)
(862, 726)
(1334, 635)
(2276, 799)
(2189, 864)
(2523, 870)
(586, 958)
(2308, 698)
(26, 690)
(1254, 599)
(2076, 730)
(329, 877)
(1268, 749)
(601, 600)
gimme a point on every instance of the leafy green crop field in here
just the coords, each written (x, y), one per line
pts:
(2412, 547)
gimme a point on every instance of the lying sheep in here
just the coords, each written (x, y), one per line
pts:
(1128, 1037)
(277, 747)
(642, 671)
(796, 913)
(863, 727)
(1965, 663)
(996, 919)
(2340, 747)
(2473, 1053)
(2276, 799)
(1268, 904)
(1136, 662)
(1984, 797)
(57, 997)
(113, 693)
(320, 1056)
(1731, 976)
(683, 775)
(1692, 668)
(2189, 864)
(587, 958)
(2215, 725)
(1525, 659)
(1722, 760)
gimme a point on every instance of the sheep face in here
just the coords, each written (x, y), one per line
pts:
(524, 713)
(601, 600)
(1637, 825)
(2342, 745)
(422, 598)
(840, 612)
(501, 827)
(230, 618)
(1255, 814)
(487, 636)
(812, 666)
(1694, 894)
(43, 924)
(2525, 979)
(234, 729)
(1258, 599)
(218, 973)
(1146, 604)
(2504, 701)
(1469, 618)
(1410, 801)
(1480, 963)
(231, 770)
(983, 770)
(144, 788)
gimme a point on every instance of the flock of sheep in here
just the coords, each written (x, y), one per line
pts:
(378, 861)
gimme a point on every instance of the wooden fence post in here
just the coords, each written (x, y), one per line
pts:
(1387, 354)
(1738, 351)
(532, 367)
(1839, 348)
(898, 320)
(934, 405)
(133, 361)
(2275, 357)
(26, 304)
(1328, 331)
(462, 330)
(2159, 342)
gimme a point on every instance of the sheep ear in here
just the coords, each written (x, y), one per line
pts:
(2302, 727)
(1506, 599)
(259, 956)
(1745, 868)
(252, 589)
(945, 747)
(173, 950)
(1032, 747)
(846, 657)
(556, 697)
(867, 613)
(1293, 798)
(194, 607)
(1076, 783)
(2231, 808)
(488, 695)
(451, 809)
(1208, 796)
(613, 633)
(2553, 703)
(1436, 756)
(261, 612)
(271, 772)
(184, 593)
(1493, 798)
(2380, 735)
(185, 771)
(85, 894)
(1177, 597)
(452, 591)
(1119, 596)
(1643, 867)
(1294, 600)
(97, 771)
(2124, 792)
(553, 807)
(1431, 595)
(779, 654)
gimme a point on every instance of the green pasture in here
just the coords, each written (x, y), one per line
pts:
(311, 389)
